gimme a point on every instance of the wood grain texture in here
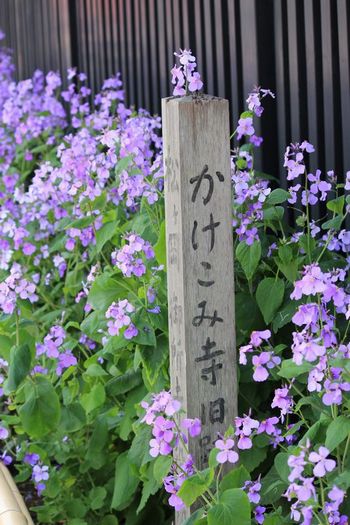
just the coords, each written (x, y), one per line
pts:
(200, 265)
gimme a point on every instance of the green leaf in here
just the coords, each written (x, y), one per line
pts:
(139, 451)
(97, 495)
(336, 205)
(41, 411)
(249, 257)
(91, 325)
(289, 369)
(276, 197)
(269, 296)
(122, 164)
(5, 347)
(195, 486)
(193, 519)
(284, 316)
(121, 384)
(97, 443)
(104, 234)
(273, 214)
(161, 467)
(252, 458)
(150, 487)
(19, 368)
(104, 291)
(81, 223)
(125, 483)
(281, 464)
(334, 224)
(233, 509)
(93, 399)
(235, 479)
(72, 418)
(337, 432)
(110, 520)
(160, 247)
(153, 359)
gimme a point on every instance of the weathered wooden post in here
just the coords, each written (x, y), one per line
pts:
(200, 264)
(12, 507)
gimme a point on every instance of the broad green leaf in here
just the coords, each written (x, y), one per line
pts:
(97, 442)
(269, 296)
(91, 325)
(125, 483)
(281, 464)
(104, 291)
(289, 369)
(277, 196)
(272, 487)
(72, 418)
(153, 358)
(123, 164)
(336, 205)
(161, 467)
(249, 257)
(150, 487)
(139, 451)
(233, 509)
(73, 281)
(252, 458)
(160, 247)
(19, 367)
(97, 495)
(194, 518)
(5, 347)
(337, 432)
(41, 411)
(104, 234)
(234, 479)
(273, 214)
(248, 316)
(195, 486)
(334, 224)
(94, 398)
(121, 384)
(110, 520)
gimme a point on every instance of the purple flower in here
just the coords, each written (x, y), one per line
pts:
(4, 433)
(131, 331)
(40, 473)
(193, 426)
(268, 426)
(259, 514)
(118, 312)
(260, 372)
(226, 453)
(65, 360)
(195, 83)
(297, 463)
(323, 465)
(245, 127)
(253, 490)
(31, 459)
(282, 400)
(159, 447)
(256, 337)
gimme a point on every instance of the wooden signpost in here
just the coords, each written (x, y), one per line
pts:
(12, 507)
(200, 265)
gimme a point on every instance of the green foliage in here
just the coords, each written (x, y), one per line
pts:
(233, 509)
(249, 257)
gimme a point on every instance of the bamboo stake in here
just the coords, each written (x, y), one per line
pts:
(13, 510)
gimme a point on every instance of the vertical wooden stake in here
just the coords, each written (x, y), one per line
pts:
(200, 265)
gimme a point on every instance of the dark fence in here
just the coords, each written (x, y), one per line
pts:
(298, 48)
